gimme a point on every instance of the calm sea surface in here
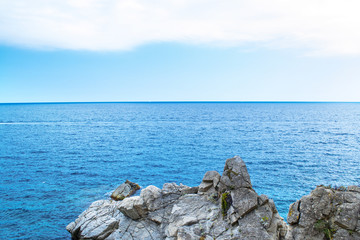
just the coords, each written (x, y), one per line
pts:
(55, 159)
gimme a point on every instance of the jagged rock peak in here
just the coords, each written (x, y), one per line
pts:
(235, 174)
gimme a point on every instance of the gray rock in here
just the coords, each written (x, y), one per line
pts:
(125, 190)
(244, 200)
(133, 207)
(325, 213)
(209, 182)
(100, 219)
(151, 197)
(172, 188)
(210, 176)
(189, 210)
(263, 199)
(205, 186)
(189, 190)
(235, 175)
(347, 215)
(315, 206)
(171, 192)
(343, 234)
(294, 214)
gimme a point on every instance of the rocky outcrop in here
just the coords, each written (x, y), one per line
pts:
(326, 213)
(222, 207)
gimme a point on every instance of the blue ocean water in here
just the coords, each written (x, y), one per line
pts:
(55, 159)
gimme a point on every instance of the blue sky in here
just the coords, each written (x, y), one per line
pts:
(59, 51)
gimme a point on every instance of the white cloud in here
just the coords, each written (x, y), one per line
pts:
(325, 27)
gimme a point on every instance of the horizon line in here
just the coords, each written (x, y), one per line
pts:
(88, 102)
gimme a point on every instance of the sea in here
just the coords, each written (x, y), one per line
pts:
(57, 158)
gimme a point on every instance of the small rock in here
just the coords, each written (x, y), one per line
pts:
(263, 199)
(125, 190)
(210, 176)
(205, 186)
(152, 197)
(209, 181)
(190, 190)
(293, 215)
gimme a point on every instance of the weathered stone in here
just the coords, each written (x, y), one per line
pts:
(350, 197)
(347, 215)
(151, 197)
(254, 225)
(294, 214)
(127, 208)
(189, 190)
(317, 205)
(125, 190)
(210, 176)
(133, 207)
(71, 226)
(171, 192)
(100, 219)
(326, 213)
(188, 210)
(235, 175)
(209, 182)
(343, 234)
(205, 186)
(244, 200)
(140, 206)
(263, 199)
(156, 216)
(277, 228)
(233, 215)
(265, 215)
(172, 188)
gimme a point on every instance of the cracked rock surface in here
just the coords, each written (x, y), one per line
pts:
(222, 207)
(326, 213)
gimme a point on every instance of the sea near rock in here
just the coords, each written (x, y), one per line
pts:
(222, 207)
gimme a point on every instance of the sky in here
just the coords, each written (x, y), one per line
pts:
(179, 50)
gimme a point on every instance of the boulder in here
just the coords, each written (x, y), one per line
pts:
(209, 182)
(151, 197)
(235, 175)
(133, 207)
(326, 213)
(125, 190)
(98, 221)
